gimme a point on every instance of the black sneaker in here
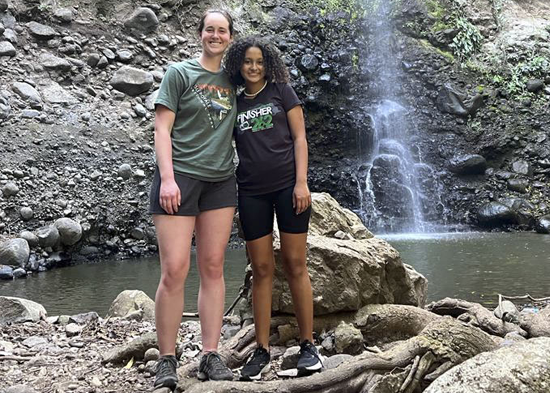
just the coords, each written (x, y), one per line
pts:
(310, 359)
(212, 368)
(166, 372)
(256, 365)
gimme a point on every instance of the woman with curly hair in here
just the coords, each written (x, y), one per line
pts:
(272, 178)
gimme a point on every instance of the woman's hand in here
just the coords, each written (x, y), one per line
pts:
(170, 196)
(301, 197)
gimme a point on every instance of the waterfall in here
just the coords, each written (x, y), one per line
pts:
(392, 198)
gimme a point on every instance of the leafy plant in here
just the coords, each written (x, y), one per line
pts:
(467, 41)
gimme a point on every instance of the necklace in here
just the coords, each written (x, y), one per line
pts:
(255, 94)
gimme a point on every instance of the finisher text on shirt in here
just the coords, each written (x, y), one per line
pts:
(257, 119)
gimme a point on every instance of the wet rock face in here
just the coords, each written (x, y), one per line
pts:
(495, 214)
(470, 164)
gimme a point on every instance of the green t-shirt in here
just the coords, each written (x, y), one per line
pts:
(205, 108)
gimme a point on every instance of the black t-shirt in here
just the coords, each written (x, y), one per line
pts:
(264, 142)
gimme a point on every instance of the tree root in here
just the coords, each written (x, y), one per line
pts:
(442, 341)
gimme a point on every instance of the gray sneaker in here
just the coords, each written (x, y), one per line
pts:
(310, 360)
(166, 372)
(212, 368)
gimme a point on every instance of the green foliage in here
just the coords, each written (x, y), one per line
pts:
(496, 7)
(467, 41)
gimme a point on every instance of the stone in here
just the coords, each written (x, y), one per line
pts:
(518, 185)
(537, 324)
(10, 189)
(84, 318)
(534, 85)
(41, 31)
(70, 231)
(16, 310)
(468, 164)
(55, 94)
(348, 339)
(507, 311)
(454, 101)
(125, 171)
(30, 237)
(3, 5)
(522, 167)
(20, 389)
(132, 81)
(151, 354)
(7, 49)
(26, 92)
(290, 358)
(124, 56)
(26, 213)
(543, 224)
(19, 273)
(14, 252)
(51, 62)
(64, 15)
(130, 301)
(34, 341)
(72, 329)
(348, 274)
(308, 63)
(142, 20)
(495, 214)
(6, 272)
(328, 217)
(48, 236)
(521, 367)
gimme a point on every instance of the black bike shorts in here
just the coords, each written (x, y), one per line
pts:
(256, 214)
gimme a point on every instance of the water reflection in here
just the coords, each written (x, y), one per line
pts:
(93, 287)
(471, 266)
(478, 266)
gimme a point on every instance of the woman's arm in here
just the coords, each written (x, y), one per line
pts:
(301, 198)
(170, 195)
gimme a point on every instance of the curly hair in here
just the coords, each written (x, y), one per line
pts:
(275, 68)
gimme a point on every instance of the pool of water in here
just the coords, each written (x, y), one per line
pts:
(471, 266)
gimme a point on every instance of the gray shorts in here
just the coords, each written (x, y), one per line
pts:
(196, 195)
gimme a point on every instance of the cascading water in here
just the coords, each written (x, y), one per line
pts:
(392, 197)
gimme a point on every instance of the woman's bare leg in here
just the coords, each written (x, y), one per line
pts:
(293, 252)
(174, 235)
(260, 252)
(212, 231)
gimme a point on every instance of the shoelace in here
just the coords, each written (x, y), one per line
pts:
(165, 365)
(215, 363)
(310, 348)
(255, 358)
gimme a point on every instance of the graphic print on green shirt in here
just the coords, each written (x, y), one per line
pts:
(217, 101)
(257, 119)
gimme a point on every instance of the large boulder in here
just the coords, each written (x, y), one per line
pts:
(495, 214)
(537, 324)
(14, 252)
(142, 20)
(70, 231)
(132, 301)
(132, 81)
(347, 274)
(468, 164)
(48, 236)
(329, 218)
(543, 224)
(15, 310)
(523, 367)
